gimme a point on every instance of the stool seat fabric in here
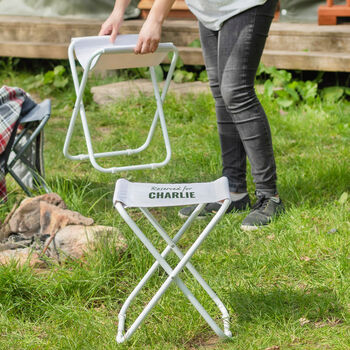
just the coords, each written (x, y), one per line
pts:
(134, 194)
(85, 47)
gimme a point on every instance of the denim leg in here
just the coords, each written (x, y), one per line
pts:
(240, 43)
(232, 150)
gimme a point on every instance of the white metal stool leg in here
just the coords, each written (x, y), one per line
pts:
(154, 267)
(173, 275)
(172, 244)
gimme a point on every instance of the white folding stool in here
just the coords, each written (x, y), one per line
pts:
(144, 195)
(99, 54)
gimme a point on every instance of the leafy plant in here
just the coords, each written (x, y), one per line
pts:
(53, 79)
(287, 92)
(203, 76)
(8, 65)
(183, 76)
(195, 43)
(333, 94)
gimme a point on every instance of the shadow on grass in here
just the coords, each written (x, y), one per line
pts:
(277, 304)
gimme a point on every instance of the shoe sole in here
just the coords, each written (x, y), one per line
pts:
(249, 228)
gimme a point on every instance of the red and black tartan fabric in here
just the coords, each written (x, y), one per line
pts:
(11, 101)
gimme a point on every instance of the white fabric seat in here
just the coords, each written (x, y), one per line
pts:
(146, 195)
(97, 53)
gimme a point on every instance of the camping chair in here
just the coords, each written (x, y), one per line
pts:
(97, 53)
(26, 159)
(142, 196)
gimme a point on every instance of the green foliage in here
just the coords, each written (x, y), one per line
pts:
(179, 63)
(183, 76)
(195, 43)
(333, 94)
(51, 80)
(285, 286)
(280, 86)
(203, 76)
(8, 65)
(287, 92)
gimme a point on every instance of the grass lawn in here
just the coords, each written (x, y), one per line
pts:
(286, 286)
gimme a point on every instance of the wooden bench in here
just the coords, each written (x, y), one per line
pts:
(330, 13)
(178, 10)
(289, 45)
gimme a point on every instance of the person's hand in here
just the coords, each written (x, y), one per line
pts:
(149, 37)
(111, 25)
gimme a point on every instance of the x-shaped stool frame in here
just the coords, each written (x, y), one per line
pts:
(172, 273)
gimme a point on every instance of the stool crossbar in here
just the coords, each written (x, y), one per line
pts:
(143, 196)
(97, 53)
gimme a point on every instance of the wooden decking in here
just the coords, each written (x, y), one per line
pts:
(289, 46)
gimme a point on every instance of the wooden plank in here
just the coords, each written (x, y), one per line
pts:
(178, 5)
(283, 36)
(319, 61)
(193, 56)
(43, 29)
(289, 46)
(39, 29)
(189, 55)
(33, 50)
(308, 43)
(178, 10)
(308, 37)
(306, 29)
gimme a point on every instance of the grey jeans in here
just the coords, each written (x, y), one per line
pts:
(232, 56)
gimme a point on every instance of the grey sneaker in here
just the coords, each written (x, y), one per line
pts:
(212, 208)
(263, 211)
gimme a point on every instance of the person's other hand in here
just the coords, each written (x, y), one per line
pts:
(111, 25)
(149, 37)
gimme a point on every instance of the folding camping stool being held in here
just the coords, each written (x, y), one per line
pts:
(145, 195)
(99, 54)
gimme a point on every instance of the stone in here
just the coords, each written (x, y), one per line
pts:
(26, 218)
(21, 257)
(15, 245)
(110, 93)
(74, 240)
(5, 232)
(29, 232)
(52, 218)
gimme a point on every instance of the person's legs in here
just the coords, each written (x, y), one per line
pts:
(232, 56)
(241, 41)
(232, 151)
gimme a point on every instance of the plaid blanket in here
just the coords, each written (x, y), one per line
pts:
(11, 102)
